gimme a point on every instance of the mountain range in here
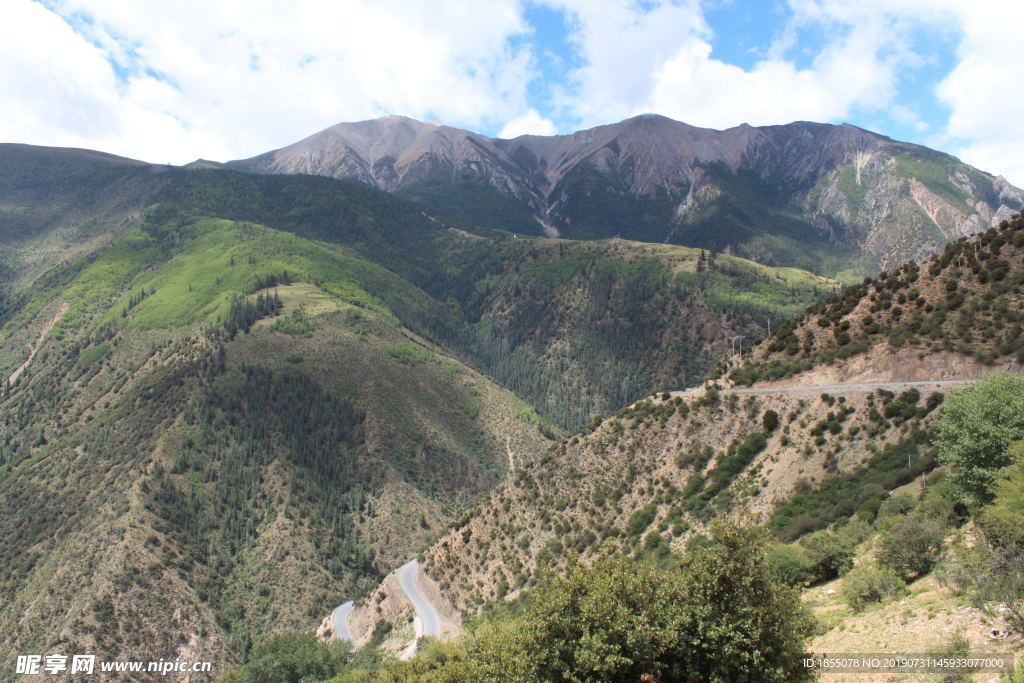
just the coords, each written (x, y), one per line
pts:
(836, 200)
(238, 394)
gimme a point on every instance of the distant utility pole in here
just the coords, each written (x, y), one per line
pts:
(769, 326)
(733, 340)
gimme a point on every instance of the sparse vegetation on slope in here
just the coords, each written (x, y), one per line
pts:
(653, 475)
(256, 398)
(965, 300)
(657, 472)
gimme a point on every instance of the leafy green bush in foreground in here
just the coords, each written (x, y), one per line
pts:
(723, 616)
(867, 584)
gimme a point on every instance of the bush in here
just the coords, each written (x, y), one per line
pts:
(854, 532)
(975, 430)
(298, 324)
(770, 421)
(641, 519)
(867, 584)
(992, 572)
(431, 656)
(293, 657)
(992, 578)
(1002, 521)
(407, 354)
(719, 617)
(737, 456)
(897, 505)
(910, 546)
(939, 504)
(789, 564)
(831, 555)
(860, 490)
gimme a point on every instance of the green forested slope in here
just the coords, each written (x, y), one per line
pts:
(170, 480)
(528, 311)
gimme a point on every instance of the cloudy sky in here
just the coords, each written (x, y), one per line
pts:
(225, 79)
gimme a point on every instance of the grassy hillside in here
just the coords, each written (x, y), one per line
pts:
(60, 205)
(530, 312)
(185, 468)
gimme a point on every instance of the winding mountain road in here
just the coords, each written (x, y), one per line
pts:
(426, 623)
(429, 621)
(339, 618)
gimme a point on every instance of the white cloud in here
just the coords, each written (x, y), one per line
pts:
(657, 57)
(231, 78)
(623, 46)
(234, 78)
(529, 122)
(984, 92)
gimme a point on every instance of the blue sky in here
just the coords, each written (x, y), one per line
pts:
(221, 79)
(746, 33)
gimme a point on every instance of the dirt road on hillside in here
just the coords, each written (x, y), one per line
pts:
(39, 342)
(936, 385)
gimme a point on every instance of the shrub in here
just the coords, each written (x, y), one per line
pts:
(719, 617)
(655, 547)
(751, 446)
(641, 519)
(992, 572)
(897, 505)
(859, 490)
(407, 354)
(854, 532)
(831, 555)
(910, 545)
(737, 456)
(993, 579)
(298, 324)
(431, 656)
(867, 584)
(870, 499)
(770, 421)
(975, 430)
(904, 407)
(294, 657)
(1002, 521)
(939, 504)
(789, 564)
